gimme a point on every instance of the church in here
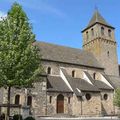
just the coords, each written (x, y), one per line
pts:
(75, 82)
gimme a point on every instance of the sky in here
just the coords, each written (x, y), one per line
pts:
(61, 21)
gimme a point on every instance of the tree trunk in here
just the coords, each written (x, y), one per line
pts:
(8, 103)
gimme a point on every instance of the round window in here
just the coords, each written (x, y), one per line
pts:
(88, 96)
(105, 96)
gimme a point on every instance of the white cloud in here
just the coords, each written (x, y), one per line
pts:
(2, 15)
(44, 7)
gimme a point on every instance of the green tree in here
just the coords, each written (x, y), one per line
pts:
(20, 62)
(117, 97)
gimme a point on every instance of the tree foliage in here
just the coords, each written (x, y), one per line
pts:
(17, 117)
(29, 118)
(19, 58)
(117, 98)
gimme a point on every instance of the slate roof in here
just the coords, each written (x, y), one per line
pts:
(97, 18)
(82, 85)
(114, 81)
(55, 83)
(101, 85)
(79, 83)
(89, 77)
(68, 55)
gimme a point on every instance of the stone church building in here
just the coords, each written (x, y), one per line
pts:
(76, 82)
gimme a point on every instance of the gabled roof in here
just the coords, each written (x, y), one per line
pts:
(114, 81)
(79, 83)
(56, 83)
(101, 85)
(57, 53)
(97, 18)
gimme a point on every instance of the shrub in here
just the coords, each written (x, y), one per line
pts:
(17, 117)
(29, 118)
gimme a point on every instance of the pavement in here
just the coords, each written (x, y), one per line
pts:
(80, 118)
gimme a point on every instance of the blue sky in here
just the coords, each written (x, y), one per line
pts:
(61, 21)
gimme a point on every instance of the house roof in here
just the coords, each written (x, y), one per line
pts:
(98, 83)
(101, 85)
(89, 77)
(56, 83)
(68, 55)
(97, 18)
(79, 83)
(82, 85)
(114, 80)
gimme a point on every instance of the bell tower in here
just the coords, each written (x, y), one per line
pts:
(99, 38)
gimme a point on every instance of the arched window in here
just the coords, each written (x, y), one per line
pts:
(108, 53)
(68, 100)
(102, 30)
(50, 99)
(73, 73)
(88, 96)
(94, 75)
(92, 32)
(87, 36)
(17, 99)
(29, 100)
(49, 70)
(109, 33)
(105, 96)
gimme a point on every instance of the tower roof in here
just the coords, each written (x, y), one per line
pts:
(97, 18)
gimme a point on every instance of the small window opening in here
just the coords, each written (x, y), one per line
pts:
(105, 96)
(17, 99)
(69, 100)
(88, 96)
(29, 100)
(94, 75)
(49, 70)
(73, 73)
(102, 30)
(108, 53)
(50, 99)
(87, 35)
(109, 33)
(92, 31)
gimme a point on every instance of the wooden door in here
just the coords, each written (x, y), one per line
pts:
(60, 104)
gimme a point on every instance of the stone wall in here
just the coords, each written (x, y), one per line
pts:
(38, 94)
(103, 47)
(78, 106)
(84, 107)
(52, 107)
(69, 68)
(107, 103)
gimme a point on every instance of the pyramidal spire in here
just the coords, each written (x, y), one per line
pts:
(97, 18)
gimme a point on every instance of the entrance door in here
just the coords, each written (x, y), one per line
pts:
(60, 104)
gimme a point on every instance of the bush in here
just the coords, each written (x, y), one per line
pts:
(29, 118)
(17, 117)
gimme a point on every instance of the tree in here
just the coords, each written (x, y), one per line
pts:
(117, 97)
(20, 62)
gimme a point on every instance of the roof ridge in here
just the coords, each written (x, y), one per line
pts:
(57, 45)
(68, 55)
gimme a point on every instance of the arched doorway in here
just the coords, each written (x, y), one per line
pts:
(60, 104)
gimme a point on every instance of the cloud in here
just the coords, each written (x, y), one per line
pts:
(44, 7)
(2, 15)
